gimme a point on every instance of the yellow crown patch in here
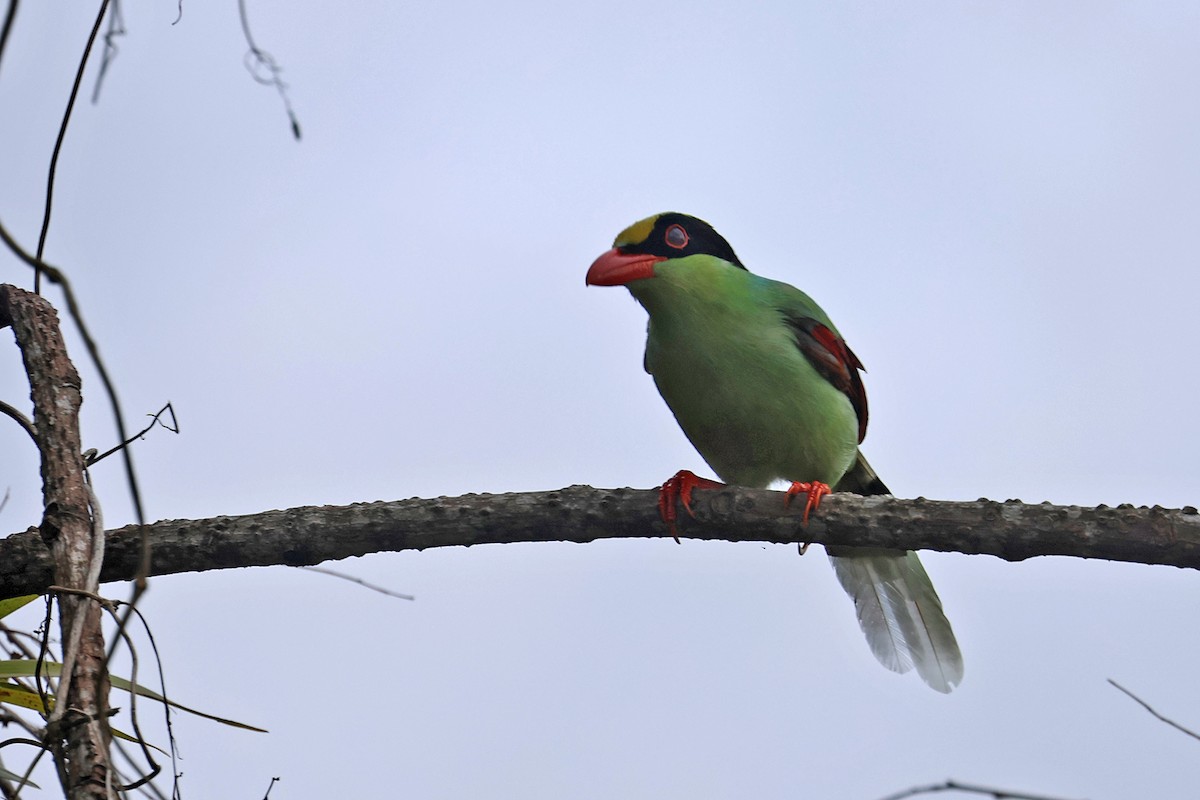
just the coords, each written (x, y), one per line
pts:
(636, 233)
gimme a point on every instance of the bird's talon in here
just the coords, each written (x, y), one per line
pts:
(680, 486)
(814, 490)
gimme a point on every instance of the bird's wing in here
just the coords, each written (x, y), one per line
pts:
(897, 606)
(827, 352)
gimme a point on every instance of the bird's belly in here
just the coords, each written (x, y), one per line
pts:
(765, 419)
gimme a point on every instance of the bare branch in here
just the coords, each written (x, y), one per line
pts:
(20, 418)
(314, 534)
(365, 584)
(77, 729)
(53, 274)
(1154, 713)
(156, 419)
(955, 786)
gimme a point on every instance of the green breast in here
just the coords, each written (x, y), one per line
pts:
(729, 369)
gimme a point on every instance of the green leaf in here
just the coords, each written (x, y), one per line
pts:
(142, 691)
(15, 778)
(27, 698)
(20, 696)
(13, 603)
(135, 740)
(24, 668)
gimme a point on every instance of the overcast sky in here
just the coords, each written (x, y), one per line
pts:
(995, 201)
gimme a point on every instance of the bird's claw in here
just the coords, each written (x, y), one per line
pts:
(679, 486)
(815, 490)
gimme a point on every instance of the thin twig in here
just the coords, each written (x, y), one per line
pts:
(20, 418)
(21, 647)
(9, 18)
(9, 718)
(155, 419)
(15, 791)
(155, 769)
(162, 690)
(955, 786)
(116, 27)
(33, 765)
(44, 690)
(103, 601)
(1154, 713)
(256, 59)
(20, 740)
(52, 273)
(373, 587)
(62, 134)
(149, 789)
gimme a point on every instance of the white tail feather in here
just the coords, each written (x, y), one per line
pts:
(900, 613)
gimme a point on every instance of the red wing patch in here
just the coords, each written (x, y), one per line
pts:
(836, 362)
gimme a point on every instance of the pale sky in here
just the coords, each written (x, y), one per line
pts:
(996, 202)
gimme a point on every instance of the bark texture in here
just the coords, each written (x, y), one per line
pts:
(312, 534)
(77, 730)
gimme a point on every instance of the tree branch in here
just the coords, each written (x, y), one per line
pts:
(77, 729)
(967, 788)
(314, 534)
(1154, 713)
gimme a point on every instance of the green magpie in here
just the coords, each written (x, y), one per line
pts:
(766, 389)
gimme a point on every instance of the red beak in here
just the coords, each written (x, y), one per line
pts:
(615, 268)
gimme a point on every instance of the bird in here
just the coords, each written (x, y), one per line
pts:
(766, 389)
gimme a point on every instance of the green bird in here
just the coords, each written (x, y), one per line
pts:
(766, 389)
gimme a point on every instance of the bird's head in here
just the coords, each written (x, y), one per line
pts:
(645, 244)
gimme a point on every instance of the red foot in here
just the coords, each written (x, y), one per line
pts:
(680, 486)
(815, 491)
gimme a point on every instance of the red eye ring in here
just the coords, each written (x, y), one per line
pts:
(676, 237)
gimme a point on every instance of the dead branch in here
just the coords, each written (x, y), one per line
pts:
(314, 534)
(967, 788)
(77, 730)
(91, 457)
(1154, 713)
